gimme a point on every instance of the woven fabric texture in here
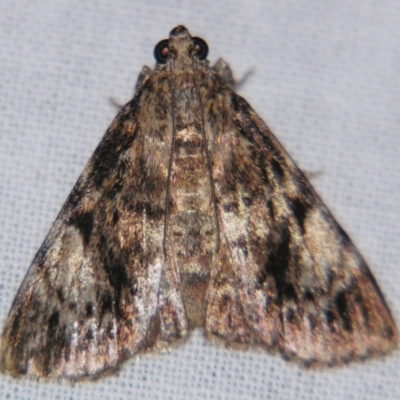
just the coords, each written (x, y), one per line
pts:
(327, 81)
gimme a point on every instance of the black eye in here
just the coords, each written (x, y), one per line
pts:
(201, 48)
(161, 51)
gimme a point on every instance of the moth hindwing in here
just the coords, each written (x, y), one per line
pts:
(191, 214)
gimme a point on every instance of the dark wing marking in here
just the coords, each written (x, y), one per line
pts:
(92, 295)
(288, 276)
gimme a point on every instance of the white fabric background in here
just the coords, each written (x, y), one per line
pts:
(327, 80)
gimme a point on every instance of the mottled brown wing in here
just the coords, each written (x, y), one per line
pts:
(91, 296)
(288, 276)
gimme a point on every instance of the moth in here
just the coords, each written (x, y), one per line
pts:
(191, 214)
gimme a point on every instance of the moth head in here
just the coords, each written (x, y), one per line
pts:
(180, 43)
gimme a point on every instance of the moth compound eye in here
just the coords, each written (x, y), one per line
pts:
(161, 51)
(201, 48)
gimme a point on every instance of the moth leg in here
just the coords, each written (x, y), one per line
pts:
(223, 69)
